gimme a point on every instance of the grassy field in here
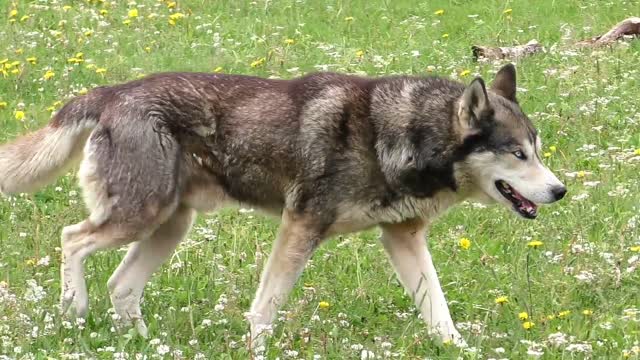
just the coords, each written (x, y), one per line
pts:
(580, 288)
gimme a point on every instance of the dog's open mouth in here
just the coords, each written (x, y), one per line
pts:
(523, 206)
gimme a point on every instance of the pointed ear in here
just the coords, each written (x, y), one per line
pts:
(505, 82)
(474, 108)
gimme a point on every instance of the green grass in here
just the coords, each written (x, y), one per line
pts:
(584, 101)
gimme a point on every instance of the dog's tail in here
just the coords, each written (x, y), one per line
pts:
(36, 159)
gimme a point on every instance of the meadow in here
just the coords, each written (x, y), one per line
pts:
(565, 286)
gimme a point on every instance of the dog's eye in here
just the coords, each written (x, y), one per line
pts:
(520, 155)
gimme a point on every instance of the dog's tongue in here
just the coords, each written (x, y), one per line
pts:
(525, 204)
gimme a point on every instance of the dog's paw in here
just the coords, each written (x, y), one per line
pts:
(72, 304)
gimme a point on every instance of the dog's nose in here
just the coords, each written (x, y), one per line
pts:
(559, 192)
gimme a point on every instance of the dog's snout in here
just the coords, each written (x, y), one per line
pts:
(559, 192)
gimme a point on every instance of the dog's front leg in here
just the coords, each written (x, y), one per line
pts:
(297, 238)
(407, 249)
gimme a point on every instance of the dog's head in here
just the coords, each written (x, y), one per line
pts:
(503, 148)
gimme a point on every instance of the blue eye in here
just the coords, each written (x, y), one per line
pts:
(519, 154)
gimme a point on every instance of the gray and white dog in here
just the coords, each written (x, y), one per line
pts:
(327, 153)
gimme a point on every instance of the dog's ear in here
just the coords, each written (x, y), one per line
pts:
(505, 82)
(474, 108)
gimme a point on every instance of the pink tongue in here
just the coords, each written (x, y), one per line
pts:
(525, 204)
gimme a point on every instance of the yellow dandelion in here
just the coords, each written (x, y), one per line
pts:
(90, 66)
(635, 248)
(32, 60)
(83, 91)
(147, 49)
(637, 152)
(553, 148)
(30, 262)
(258, 62)
(127, 22)
(3, 104)
(13, 13)
(18, 51)
(80, 55)
(563, 314)
(101, 71)
(49, 74)
(66, 7)
(133, 13)
(551, 317)
(507, 11)
(51, 108)
(360, 53)
(501, 300)
(445, 35)
(527, 325)
(323, 304)
(547, 154)
(587, 312)
(218, 69)
(581, 174)
(465, 73)
(439, 12)
(171, 5)
(15, 71)
(24, 18)
(289, 41)
(19, 115)
(104, 12)
(465, 243)
(88, 33)
(348, 18)
(523, 315)
(535, 244)
(4, 61)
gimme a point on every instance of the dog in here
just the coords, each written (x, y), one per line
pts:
(326, 153)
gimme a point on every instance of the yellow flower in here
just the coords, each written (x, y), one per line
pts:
(218, 69)
(30, 262)
(49, 74)
(4, 61)
(127, 22)
(587, 312)
(439, 12)
(527, 325)
(553, 148)
(348, 18)
(507, 11)
(15, 71)
(74, 60)
(523, 315)
(19, 115)
(637, 152)
(581, 174)
(13, 13)
(32, 60)
(101, 70)
(360, 53)
(501, 300)
(83, 91)
(88, 33)
(66, 7)
(104, 12)
(465, 73)
(323, 304)
(535, 244)
(3, 104)
(147, 49)
(289, 41)
(563, 314)
(551, 317)
(635, 248)
(133, 13)
(445, 35)
(80, 55)
(24, 18)
(465, 243)
(90, 66)
(19, 51)
(171, 5)
(547, 154)
(258, 62)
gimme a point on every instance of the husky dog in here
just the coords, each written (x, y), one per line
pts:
(326, 153)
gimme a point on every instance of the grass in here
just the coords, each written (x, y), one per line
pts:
(580, 287)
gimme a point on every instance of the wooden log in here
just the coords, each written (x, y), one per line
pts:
(486, 52)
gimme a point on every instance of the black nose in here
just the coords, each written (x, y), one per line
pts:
(559, 192)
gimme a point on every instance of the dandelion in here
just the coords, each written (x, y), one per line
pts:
(501, 300)
(360, 53)
(581, 174)
(323, 305)
(101, 71)
(289, 42)
(32, 60)
(24, 18)
(553, 148)
(465, 73)
(127, 22)
(465, 243)
(3, 104)
(218, 69)
(19, 115)
(527, 325)
(66, 7)
(637, 151)
(445, 35)
(258, 62)
(19, 51)
(507, 11)
(171, 5)
(563, 314)
(88, 33)
(535, 244)
(635, 248)
(348, 19)
(133, 13)
(13, 13)
(83, 91)
(587, 312)
(49, 74)
(439, 12)
(104, 12)
(523, 315)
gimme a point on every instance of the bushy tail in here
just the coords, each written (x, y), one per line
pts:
(36, 159)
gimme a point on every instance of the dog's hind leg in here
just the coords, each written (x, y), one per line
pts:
(142, 260)
(296, 241)
(407, 249)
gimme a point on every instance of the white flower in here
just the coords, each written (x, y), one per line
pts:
(557, 339)
(163, 349)
(366, 354)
